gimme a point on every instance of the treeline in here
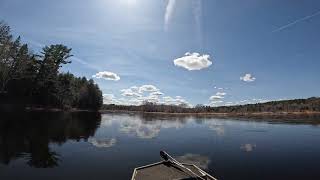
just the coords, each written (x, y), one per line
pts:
(34, 80)
(296, 105)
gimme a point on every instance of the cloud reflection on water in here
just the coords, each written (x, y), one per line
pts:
(145, 131)
(248, 147)
(196, 159)
(103, 143)
(149, 126)
(218, 128)
(144, 127)
(148, 129)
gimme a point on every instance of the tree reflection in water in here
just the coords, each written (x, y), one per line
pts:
(29, 135)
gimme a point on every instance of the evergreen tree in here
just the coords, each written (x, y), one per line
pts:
(28, 79)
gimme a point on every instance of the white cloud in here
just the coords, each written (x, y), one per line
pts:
(168, 14)
(193, 61)
(178, 100)
(149, 98)
(156, 93)
(109, 99)
(216, 103)
(248, 78)
(131, 101)
(134, 88)
(148, 88)
(107, 76)
(215, 97)
(221, 93)
(136, 95)
(129, 93)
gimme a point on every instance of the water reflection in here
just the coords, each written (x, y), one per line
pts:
(43, 158)
(103, 143)
(144, 126)
(29, 135)
(86, 145)
(140, 129)
(196, 159)
(248, 147)
(215, 126)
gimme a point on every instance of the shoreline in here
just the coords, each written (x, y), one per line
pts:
(58, 110)
(255, 115)
(216, 114)
(43, 109)
(278, 117)
(40, 109)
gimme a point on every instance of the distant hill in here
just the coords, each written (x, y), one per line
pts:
(296, 105)
(309, 105)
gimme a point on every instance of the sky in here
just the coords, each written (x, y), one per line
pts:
(212, 52)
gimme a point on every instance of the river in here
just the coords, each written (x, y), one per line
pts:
(96, 146)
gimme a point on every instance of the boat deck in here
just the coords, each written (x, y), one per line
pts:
(165, 170)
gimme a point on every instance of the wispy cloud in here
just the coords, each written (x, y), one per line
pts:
(84, 63)
(168, 14)
(197, 13)
(296, 21)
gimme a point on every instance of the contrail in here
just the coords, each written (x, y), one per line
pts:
(296, 21)
(86, 64)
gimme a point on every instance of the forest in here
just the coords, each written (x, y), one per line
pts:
(30, 80)
(297, 105)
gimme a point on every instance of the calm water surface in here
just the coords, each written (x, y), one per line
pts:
(109, 146)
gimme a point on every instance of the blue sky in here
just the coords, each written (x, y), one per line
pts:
(273, 45)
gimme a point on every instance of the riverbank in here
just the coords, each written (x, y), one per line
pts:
(218, 114)
(293, 117)
(59, 110)
(15, 108)
(253, 114)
